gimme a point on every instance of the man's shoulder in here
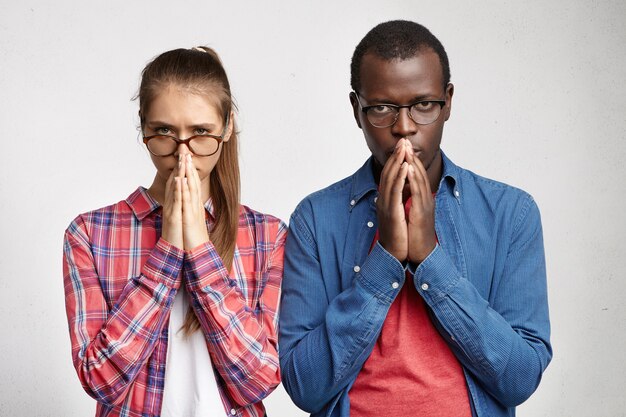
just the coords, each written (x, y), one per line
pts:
(488, 184)
(338, 195)
(335, 193)
(323, 213)
(498, 195)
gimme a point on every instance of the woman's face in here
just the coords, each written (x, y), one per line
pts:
(180, 112)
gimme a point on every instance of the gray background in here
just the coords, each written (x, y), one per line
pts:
(539, 103)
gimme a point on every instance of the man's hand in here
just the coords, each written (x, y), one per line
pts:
(392, 226)
(421, 220)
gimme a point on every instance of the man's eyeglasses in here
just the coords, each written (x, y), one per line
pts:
(422, 112)
(200, 145)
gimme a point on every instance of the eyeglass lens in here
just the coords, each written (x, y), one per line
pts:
(422, 113)
(163, 145)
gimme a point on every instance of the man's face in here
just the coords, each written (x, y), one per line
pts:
(403, 82)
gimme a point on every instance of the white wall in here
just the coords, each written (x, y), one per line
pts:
(539, 103)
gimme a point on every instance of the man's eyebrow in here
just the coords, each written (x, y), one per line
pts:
(415, 99)
(425, 97)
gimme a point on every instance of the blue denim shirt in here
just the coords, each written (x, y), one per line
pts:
(484, 284)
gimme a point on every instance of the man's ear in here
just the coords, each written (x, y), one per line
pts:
(355, 108)
(447, 109)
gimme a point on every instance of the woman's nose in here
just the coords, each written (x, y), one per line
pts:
(182, 149)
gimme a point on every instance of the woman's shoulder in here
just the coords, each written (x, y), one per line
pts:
(246, 212)
(138, 204)
(270, 225)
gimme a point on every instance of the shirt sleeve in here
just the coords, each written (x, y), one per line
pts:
(325, 340)
(504, 344)
(242, 339)
(110, 346)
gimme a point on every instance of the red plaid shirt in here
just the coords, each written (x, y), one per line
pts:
(120, 281)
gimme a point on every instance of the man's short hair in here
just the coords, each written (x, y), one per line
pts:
(397, 39)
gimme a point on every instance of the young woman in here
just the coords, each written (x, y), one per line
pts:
(172, 294)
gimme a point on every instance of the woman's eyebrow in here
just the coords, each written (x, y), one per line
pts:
(159, 123)
(207, 126)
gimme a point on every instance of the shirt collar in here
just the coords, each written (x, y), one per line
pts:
(450, 172)
(142, 204)
(362, 182)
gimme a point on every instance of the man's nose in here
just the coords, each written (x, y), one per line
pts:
(404, 125)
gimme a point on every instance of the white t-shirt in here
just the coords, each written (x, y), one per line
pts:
(190, 386)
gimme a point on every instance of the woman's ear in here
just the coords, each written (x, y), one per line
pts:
(230, 128)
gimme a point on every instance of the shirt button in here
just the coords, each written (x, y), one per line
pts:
(356, 268)
(375, 199)
(233, 411)
(352, 202)
(370, 224)
(457, 194)
(425, 287)
(395, 285)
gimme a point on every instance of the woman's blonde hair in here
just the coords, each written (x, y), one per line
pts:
(201, 71)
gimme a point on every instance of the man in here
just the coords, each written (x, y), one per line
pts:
(413, 287)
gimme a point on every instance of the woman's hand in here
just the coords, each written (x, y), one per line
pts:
(194, 226)
(172, 229)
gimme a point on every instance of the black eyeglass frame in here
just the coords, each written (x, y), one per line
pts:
(218, 138)
(365, 109)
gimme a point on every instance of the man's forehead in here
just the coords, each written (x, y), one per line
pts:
(420, 74)
(425, 54)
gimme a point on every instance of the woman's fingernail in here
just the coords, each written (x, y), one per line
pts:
(188, 157)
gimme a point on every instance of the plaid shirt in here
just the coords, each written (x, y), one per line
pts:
(120, 281)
